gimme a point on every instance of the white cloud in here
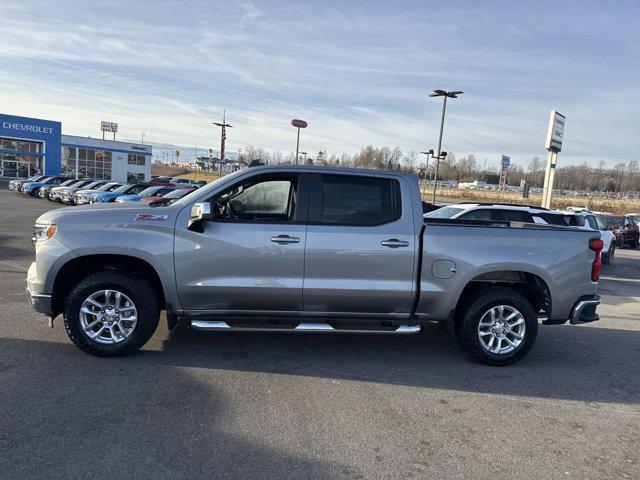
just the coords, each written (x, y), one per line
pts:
(359, 76)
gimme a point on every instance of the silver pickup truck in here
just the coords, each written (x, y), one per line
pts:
(308, 250)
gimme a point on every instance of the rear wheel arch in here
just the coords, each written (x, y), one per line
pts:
(530, 285)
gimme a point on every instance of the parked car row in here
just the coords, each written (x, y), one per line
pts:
(72, 191)
(616, 231)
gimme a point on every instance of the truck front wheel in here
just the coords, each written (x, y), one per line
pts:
(497, 326)
(111, 314)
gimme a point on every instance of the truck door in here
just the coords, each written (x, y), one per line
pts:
(361, 246)
(250, 257)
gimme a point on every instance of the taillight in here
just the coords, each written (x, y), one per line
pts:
(596, 245)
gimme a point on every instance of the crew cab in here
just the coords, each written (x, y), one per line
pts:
(308, 249)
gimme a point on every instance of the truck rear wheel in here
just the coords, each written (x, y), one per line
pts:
(111, 314)
(497, 326)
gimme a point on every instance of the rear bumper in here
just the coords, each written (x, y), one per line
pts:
(584, 311)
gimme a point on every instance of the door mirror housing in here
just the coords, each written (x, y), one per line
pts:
(200, 213)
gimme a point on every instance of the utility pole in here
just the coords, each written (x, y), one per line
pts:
(444, 94)
(223, 137)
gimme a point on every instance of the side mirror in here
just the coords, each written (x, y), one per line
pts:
(200, 212)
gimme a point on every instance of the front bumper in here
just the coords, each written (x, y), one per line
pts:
(584, 311)
(40, 302)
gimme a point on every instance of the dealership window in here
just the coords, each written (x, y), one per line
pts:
(22, 159)
(136, 159)
(90, 163)
(135, 177)
(20, 145)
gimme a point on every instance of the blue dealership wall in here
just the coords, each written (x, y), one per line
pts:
(46, 131)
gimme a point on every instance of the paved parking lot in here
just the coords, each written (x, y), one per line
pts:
(244, 406)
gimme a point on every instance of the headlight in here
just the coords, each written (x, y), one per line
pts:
(44, 231)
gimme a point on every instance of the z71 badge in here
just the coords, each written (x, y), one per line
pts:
(147, 216)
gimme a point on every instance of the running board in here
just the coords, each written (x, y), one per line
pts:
(214, 325)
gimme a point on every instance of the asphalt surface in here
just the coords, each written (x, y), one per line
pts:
(221, 405)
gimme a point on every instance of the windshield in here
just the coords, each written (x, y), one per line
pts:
(613, 221)
(147, 192)
(444, 212)
(210, 187)
(66, 183)
(177, 193)
(106, 187)
(122, 189)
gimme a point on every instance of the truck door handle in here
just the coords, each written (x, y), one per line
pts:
(285, 239)
(394, 243)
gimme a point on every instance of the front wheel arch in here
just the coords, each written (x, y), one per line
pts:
(76, 269)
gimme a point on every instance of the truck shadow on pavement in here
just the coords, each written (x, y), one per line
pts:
(68, 415)
(590, 364)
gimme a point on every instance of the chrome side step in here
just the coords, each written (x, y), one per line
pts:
(217, 325)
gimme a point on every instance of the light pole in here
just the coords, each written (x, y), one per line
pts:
(223, 137)
(444, 94)
(429, 154)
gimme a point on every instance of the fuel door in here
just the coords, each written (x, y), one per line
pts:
(443, 269)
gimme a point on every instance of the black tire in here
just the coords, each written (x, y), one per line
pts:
(136, 288)
(607, 258)
(472, 310)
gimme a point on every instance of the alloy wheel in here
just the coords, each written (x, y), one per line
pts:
(108, 316)
(501, 329)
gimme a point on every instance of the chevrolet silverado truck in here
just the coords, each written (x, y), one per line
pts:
(307, 249)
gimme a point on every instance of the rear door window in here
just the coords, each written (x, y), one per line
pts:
(350, 200)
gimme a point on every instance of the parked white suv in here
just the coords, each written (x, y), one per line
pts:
(589, 221)
(523, 213)
(500, 212)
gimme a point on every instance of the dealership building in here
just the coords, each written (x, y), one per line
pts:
(31, 146)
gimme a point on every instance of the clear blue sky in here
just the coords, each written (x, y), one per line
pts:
(358, 72)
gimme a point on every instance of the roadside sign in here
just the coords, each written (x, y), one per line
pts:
(177, 153)
(109, 127)
(506, 161)
(555, 132)
(299, 123)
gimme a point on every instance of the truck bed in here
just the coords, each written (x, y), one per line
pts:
(456, 254)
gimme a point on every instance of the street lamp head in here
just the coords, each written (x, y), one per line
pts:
(430, 152)
(443, 154)
(443, 93)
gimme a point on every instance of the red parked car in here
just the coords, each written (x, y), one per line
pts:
(159, 181)
(624, 228)
(169, 197)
